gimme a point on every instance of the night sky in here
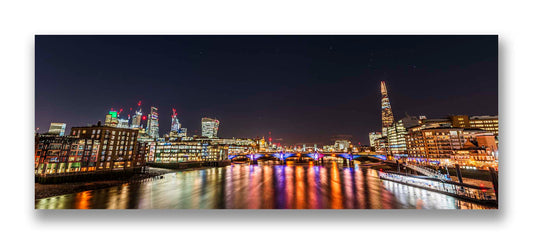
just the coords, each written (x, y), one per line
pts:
(304, 89)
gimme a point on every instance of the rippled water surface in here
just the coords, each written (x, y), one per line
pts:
(263, 186)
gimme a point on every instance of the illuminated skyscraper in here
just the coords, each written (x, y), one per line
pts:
(386, 111)
(175, 125)
(136, 119)
(210, 127)
(57, 129)
(153, 123)
(111, 119)
(396, 143)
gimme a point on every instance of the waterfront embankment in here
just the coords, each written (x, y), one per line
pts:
(50, 190)
(154, 170)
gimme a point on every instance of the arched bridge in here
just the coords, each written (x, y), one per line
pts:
(314, 155)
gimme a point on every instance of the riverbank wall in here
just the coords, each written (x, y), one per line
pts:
(190, 165)
(88, 176)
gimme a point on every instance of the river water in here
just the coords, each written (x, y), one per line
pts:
(264, 186)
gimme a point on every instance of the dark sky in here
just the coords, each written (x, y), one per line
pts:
(304, 89)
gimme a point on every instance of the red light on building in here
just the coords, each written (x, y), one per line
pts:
(144, 117)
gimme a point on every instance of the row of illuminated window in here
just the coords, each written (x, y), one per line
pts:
(119, 152)
(183, 154)
(121, 148)
(179, 147)
(106, 132)
(109, 158)
(484, 121)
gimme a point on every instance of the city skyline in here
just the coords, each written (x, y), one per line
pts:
(271, 116)
(301, 99)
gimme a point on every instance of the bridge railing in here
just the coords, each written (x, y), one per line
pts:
(314, 155)
(460, 190)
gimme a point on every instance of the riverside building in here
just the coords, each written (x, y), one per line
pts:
(88, 149)
(450, 145)
(486, 123)
(434, 145)
(118, 146)
(185, 151)
(52, 152)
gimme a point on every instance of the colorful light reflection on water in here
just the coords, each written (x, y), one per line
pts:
(263, 186)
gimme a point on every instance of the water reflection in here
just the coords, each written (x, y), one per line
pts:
(264, 186)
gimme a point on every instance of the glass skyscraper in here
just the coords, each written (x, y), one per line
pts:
(175, 125)
(210, 127)
(152, 128)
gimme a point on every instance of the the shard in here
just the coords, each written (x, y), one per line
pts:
(386, 111)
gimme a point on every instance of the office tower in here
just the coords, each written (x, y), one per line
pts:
(380, 145)
(175, 125)
(123, 123)
(387, 117)
(373, 136)
(137, 117)
(152, 128)
(57, 129)
(342, 145)
(136, 120)
(210, 127)
(186, 151)
(111, 119)
(182, 132)
(396, 136)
